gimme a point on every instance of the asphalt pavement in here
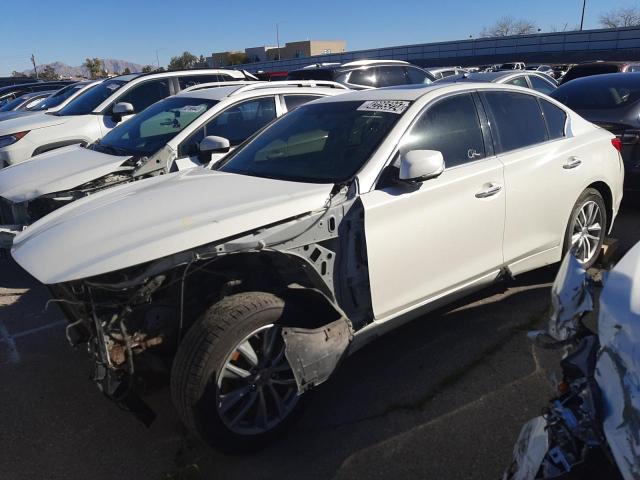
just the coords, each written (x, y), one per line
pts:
(443, 397)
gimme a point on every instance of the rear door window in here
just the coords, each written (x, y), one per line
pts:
(556, 119)
(540, 85)
(187, 81)
(417, 76)
(365, 77)
(516, 120)
(518, 82)
(236, 123)
(145, 94)
(390, 76)
(450, 126)
(294, 101)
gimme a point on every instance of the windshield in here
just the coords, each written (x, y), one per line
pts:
(57, 98)
(151, 129)
(12, 104)
(318, 143)
(600, 92)
(87, 101)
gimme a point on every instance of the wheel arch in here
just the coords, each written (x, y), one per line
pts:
(607, 195)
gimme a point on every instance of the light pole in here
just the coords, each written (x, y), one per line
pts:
(278, 39)
(584, 5)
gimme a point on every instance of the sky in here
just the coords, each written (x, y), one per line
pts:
(137, 30)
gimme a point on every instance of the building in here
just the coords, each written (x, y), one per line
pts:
(290, 50)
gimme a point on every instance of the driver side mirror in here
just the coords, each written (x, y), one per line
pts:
(120, 110)
(421, 165)
(214, 144)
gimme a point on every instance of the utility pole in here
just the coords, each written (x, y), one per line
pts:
(278, 39)
(157, 59)
(584, 5)
(33, 61)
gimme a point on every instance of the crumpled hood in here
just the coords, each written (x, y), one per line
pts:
(618, 366)
(30, 122)
(149, 219)
(55, 171)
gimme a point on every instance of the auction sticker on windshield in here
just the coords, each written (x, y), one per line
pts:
(389, 106)
(192, 108)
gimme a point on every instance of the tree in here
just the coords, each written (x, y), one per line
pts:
(94, 67)
(183, 62)
(202, 62)
(622, 17)
(49, 73)
(126, 71)
(506, 26)
(15, 73)
(147, 69)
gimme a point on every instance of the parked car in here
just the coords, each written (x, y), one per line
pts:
(588, 69)
(96, 111)
(546, 69)
(561, 70)
(180, 132)
(260, 273)
(11, 92)
(6, 81)
(443, 72)
(361, 74)
(26, 101)
(535, 80)
(512, 66)
(611, 101)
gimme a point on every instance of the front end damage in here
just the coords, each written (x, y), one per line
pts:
(16, 216)
(133, 320)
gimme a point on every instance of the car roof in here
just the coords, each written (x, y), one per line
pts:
(482, 76)
(35, 94)
(631, 77)
(414, 92)
(221, 93)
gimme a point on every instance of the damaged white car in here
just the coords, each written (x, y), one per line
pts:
(336, 223)
(179, 132)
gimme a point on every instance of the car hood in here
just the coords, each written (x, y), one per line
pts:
(149, 219)
(16, 114)
(55, 171)
(30, 122)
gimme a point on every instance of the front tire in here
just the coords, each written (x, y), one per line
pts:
(587, 227)
(231, 382)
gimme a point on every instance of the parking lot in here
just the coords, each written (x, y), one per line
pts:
(443, 397)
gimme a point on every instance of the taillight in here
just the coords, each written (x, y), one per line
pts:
(617, 143)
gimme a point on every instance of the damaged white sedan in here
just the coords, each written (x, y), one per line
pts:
(189, 129)
(336, 223)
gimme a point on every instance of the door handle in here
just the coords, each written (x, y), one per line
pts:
(573, 162)
(489, 192)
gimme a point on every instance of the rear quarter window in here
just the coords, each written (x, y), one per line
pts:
(556, 119)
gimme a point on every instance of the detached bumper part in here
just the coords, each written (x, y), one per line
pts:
(314, 354)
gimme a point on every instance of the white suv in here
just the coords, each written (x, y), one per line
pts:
(337, 222)
(176, 133)
(95, 112)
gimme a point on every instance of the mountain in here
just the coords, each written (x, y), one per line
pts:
(111, 65)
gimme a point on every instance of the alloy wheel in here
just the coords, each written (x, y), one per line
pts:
(256, 387)
(587, 231)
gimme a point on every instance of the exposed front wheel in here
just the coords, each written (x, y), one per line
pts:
(231, 381)
(587, 227)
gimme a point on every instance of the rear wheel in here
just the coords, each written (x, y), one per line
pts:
(587, 227)
(231, 381)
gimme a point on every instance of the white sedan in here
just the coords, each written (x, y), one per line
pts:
(339, 221)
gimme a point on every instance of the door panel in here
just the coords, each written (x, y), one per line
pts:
(540, 195)
(424, 241)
